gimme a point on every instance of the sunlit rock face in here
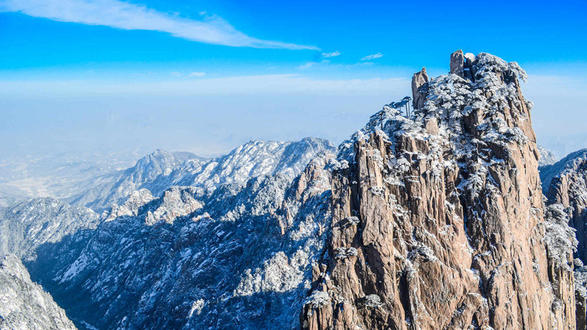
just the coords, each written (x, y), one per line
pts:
(438, 220)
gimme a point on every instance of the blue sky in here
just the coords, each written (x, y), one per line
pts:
(205, 76)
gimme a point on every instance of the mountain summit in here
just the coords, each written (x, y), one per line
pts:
(438, 219)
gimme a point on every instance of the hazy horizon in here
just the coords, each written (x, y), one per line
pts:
(108, 76)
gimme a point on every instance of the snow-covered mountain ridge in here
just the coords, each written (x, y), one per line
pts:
(244, 226)
(432, 220)
(161, 170)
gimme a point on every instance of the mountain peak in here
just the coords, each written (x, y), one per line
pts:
(444, 197)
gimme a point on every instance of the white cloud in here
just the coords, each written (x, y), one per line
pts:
(255, 84)
(197, 74)
(332, 54)
(306, 65)
(372, 57)
(127, 16)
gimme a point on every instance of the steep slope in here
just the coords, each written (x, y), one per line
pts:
(29, 224)
(234, 256)
(565, 185)
(24, 304)
(438, 219)
(573, 162)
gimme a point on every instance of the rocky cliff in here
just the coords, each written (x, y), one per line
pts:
(565, 186)
(438, 220)
(24, 304)
(565, 183)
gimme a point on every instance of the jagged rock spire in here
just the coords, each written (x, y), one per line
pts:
(457, 63)
(418, 93)
(462, 64)
(448, 226)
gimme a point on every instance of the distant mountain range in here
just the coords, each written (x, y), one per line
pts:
(437, 219)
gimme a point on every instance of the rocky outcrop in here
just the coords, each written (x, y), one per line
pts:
(581, 293)
(565, 183)
(419, 88)
(438, 220)
(462, 64)
(457, 63)
(24, 304)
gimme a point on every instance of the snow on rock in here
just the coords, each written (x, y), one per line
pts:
(24, 304)
(234, 253)
(450, 211)
(30, 224)
(565, 186)
(161, 170)
(115, 188)
(559, 238)
(131, 206)
(175, 202)
(438, 211)
(547, 157)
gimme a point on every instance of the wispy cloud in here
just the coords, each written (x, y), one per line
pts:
(332, 54)
(127, 16)
(306, 65)
(310, 64)
(197, 74)
(372, 57)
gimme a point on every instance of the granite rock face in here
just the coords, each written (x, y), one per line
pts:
(438, 221)
(419, 88)
(581, 293)
(24, 304)
(457, 63)
(432, 221)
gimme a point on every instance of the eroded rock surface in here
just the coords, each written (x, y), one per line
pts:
(445, 218)
(419, 88)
